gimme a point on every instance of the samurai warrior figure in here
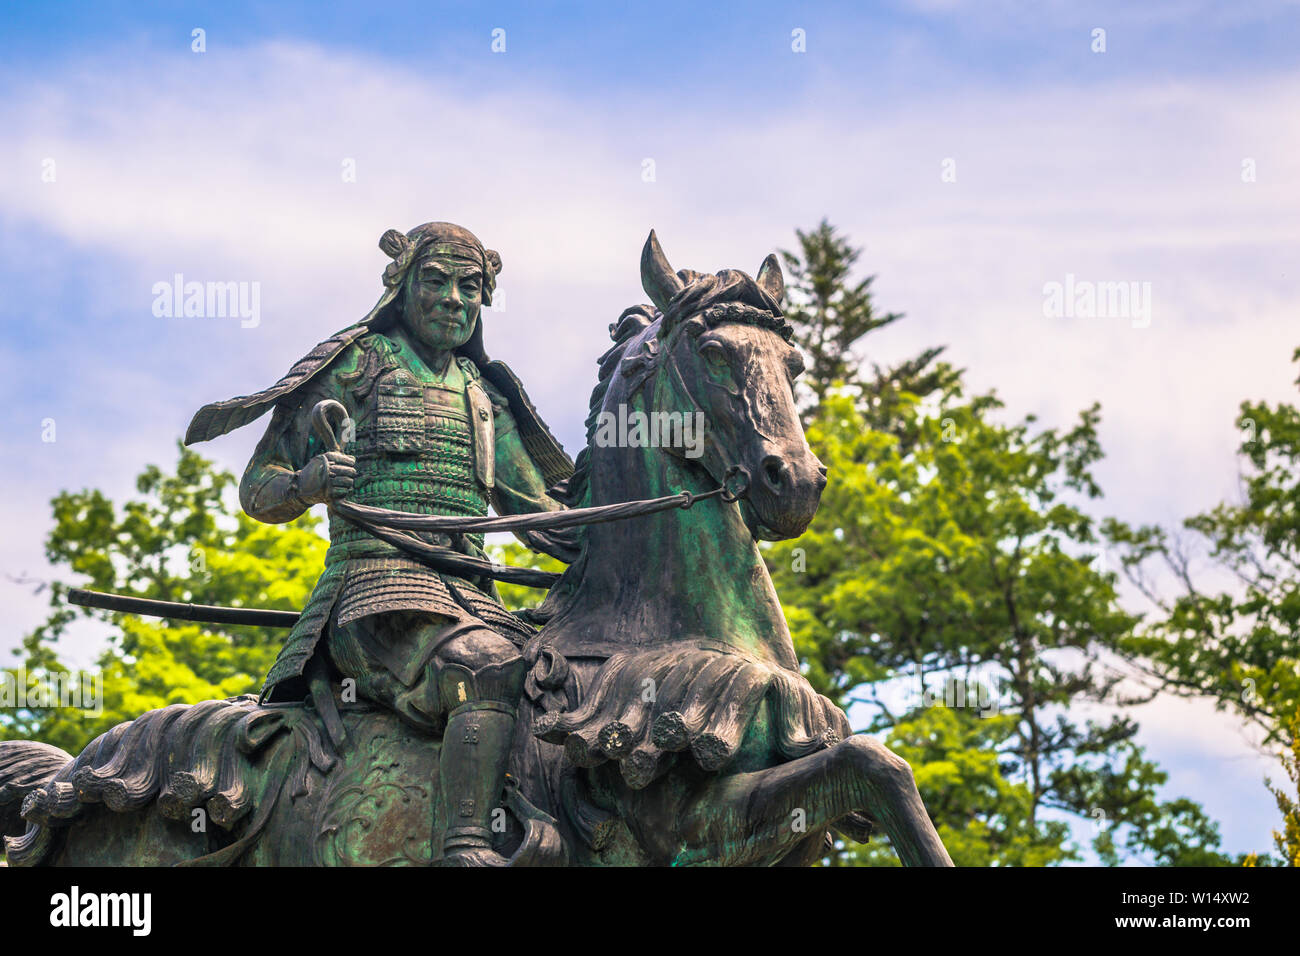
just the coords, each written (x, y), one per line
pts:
(437, 429)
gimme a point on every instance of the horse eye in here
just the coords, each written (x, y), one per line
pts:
(714, 354)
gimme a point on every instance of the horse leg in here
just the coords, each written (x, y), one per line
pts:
(759, 817)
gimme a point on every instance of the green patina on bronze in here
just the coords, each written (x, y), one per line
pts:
(650, 712)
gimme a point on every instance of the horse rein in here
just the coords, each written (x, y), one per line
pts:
(393, 527)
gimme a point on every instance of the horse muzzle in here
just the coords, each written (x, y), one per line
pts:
(783, 494)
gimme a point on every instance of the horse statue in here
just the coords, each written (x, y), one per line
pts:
(665, 720)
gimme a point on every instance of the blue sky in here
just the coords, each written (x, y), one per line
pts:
(695, 49)
(1124, 165)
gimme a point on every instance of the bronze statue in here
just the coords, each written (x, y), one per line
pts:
(657, 717)
(432, 435)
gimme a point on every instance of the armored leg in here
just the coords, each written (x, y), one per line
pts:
(480, 679)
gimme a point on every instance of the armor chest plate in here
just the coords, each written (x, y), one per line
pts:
(415, 446)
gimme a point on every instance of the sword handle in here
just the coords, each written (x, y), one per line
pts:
(329, 432)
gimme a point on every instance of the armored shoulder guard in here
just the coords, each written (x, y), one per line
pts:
(212, 421)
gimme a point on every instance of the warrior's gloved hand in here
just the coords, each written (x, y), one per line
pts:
(327, 477)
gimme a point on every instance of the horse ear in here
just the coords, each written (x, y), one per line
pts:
(771, 279)
(657, 276)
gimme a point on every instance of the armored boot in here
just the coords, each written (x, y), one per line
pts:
(472, 773)
(475, 752)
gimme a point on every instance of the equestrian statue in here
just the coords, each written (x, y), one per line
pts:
(649, 712)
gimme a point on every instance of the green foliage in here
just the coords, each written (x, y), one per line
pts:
(517, 597)
(966, 558)
(183, 539)
(1287, 840)
(1238, 646)
(953, 546)
(983, 817)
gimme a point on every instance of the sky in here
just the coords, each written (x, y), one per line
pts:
(978, 151)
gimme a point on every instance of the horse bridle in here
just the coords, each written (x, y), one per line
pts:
(735, 471)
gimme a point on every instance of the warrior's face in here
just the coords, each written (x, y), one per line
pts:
(444, 295)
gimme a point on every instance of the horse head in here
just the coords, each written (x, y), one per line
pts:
(724, 357)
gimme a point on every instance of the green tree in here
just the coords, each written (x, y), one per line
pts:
(832, 314)
(983, 817)
(518, 597)
(1287, 840)
(1235, 643)
(183, 539)
(965, 559)
(952, 550)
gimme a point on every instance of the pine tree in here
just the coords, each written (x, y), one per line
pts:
(832, 314)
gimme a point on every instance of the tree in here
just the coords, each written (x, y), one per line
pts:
(183, 539)
(1236, 644)
(832, 314)
(951, 553)
(962, 560)
(1287, 840)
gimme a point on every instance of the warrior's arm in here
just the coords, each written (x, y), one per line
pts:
(520, 489)
(280, 482)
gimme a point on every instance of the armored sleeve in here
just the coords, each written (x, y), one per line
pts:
(269, 489)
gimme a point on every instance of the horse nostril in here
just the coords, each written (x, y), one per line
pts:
(774, 472)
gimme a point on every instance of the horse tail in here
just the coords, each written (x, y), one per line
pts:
(24, 766)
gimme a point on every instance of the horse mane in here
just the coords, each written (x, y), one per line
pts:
(730, 296)
(631, 323)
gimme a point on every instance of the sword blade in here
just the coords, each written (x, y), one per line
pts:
(178, 611)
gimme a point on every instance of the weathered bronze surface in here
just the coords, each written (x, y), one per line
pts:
(650, 712)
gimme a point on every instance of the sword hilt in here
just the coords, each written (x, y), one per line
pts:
(330, 433)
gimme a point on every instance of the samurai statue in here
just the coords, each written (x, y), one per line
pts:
(437, 428)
